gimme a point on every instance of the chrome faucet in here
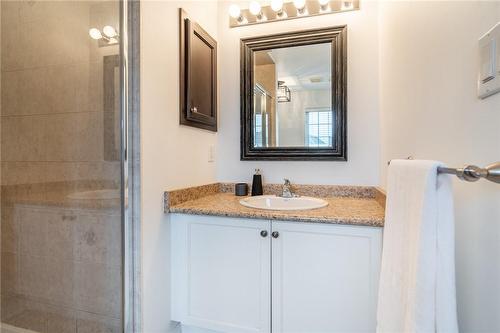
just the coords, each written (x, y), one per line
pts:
(286, 191)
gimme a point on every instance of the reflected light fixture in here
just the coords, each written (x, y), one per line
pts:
(283, 94)
(95, 33)
(109, 31)
(108, 36)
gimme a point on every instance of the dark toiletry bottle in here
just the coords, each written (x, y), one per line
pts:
(257, 183)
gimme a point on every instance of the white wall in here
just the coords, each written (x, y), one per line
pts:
(424, 70)
(291, 116)
(363, 113)
(429, 109)
(173, 156)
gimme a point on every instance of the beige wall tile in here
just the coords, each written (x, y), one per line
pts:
(33, 232)
(74, 137)
(60, 286)
(11, 306)
(57, 323)
(97, 289)
(13, 44)
(22, 139)
(60, 226)
(9, 230)
(97, 326)
(10, 273)
(33, 276)
(31, 320)
(14, 173)
(10, 92)
(90, 239)
(113, 229)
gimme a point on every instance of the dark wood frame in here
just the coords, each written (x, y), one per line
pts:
(111, 149)
(337, 36)
(188, 114)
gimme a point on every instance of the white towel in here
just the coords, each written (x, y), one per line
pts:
(417, 279)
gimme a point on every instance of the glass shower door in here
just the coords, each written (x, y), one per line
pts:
(61, 181)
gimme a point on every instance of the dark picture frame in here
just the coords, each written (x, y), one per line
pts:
(337, 36)
(198, 75)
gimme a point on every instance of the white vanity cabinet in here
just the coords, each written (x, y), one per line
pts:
(324, 277)
(221, 273)
(248, 275)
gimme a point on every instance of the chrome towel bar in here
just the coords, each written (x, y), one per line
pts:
(472, 173)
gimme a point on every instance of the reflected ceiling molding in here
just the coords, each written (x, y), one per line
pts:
(278, 10)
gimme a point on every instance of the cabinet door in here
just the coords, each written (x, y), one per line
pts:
(221, 273)
(324, 278)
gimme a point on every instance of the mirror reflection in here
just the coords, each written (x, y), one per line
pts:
(292, 105)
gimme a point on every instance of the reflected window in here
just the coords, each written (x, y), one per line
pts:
(318, 128)
(258, 130)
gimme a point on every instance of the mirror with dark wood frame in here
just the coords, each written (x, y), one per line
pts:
(293, 96)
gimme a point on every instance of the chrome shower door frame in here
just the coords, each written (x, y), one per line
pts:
(130, 166)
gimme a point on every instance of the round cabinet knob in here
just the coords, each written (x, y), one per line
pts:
(263, 233)
(275, 234)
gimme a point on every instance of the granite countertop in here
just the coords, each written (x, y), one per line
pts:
(364, 209)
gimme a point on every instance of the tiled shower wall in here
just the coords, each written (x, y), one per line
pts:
(61, 266)
(52, 96)
(61, 269)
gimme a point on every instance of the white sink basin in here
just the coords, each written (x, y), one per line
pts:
(272, 202)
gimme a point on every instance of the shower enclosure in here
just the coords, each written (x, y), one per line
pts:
(63, 166)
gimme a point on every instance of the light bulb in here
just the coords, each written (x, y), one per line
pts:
(277, 5)
(254, 8)
(109, 31)
(324, 2)
(299, 4)
(95, 33)
(346, 5)
(234, 11)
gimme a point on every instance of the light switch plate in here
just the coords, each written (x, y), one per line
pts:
(489, 63)
(211, 153)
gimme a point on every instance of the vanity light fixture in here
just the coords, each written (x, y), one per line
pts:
(324, 5)
(235, 13)
(279, 10)
(346, 5)
(301, 7)
(283, 94)
(256, 9)
(107, 37)
(277, 7)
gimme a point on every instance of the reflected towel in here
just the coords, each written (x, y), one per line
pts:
(417, 279)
